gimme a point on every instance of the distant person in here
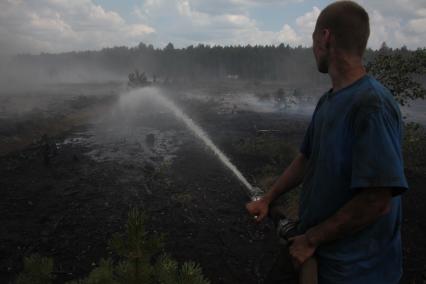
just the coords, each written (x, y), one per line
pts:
(350, 164)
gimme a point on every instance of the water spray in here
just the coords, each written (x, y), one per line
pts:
(252, 191)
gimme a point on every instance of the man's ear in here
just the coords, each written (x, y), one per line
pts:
(326, 35)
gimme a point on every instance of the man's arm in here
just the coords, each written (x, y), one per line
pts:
(292, 177)
(362, 210)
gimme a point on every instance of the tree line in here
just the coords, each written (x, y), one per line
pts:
(201, 62)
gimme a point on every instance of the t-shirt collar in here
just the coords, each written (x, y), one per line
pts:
(330, 93)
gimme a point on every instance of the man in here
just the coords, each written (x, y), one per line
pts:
(350, 164)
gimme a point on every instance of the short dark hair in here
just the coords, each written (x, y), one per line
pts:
(349, 23)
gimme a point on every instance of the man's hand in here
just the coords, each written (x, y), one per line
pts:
(291, 178)
(258, 208)
(301, 250)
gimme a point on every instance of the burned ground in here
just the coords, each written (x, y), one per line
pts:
(125, 157)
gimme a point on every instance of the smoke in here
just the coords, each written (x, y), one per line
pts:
(23, 73)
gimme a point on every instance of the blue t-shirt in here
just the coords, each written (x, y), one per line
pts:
(354, 142)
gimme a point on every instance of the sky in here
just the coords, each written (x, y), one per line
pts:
(53, 26)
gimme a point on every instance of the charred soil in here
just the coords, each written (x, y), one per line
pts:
(69, 206)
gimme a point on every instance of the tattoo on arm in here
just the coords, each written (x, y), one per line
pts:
(364, 209)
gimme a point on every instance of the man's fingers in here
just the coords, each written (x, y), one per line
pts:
(256, 209)
(259, 217)
(251, 208)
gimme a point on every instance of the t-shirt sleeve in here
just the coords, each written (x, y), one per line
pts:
(376, 152)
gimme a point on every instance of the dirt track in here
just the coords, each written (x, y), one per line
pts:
(70, 208)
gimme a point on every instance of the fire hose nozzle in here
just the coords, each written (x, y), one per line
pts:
(256, 193)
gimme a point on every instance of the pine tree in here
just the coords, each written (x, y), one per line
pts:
(142, 261)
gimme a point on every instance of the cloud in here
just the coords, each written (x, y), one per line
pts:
(235, 6)
(62, 25)
(59, 25)
(263, 2)
(185, 22)
(289, 36)
(307, 21)
(381, 29)
(306, 24)
(397, 22)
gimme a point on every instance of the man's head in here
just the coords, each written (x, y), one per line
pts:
(342, 26)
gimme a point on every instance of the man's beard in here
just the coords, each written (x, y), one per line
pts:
(322, 64)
